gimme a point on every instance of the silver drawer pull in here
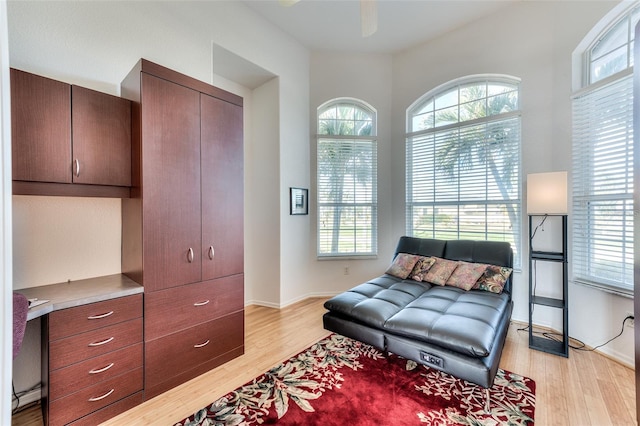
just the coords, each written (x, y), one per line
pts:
(103, 342)
(98, 398)
(206, 302)
(212, 252)
(190, 255)
(77, 167)
(101, 370)
(92, 317)
(201, 344)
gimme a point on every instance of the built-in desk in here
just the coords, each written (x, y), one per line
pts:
(92, 348)
(79, 292)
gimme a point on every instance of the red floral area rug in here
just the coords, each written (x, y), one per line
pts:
(340, 381)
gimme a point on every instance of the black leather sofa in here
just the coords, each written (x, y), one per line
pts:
(456, 331)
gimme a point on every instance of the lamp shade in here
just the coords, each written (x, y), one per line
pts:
(547, 193)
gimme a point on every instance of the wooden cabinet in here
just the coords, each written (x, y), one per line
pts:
(178, 308)
(40, 128)
(171, 183)
(92, 358)
(101, 138)
(68, 140)
(222, 188)
(183, 225)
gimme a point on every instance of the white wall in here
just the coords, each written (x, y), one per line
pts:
(367, 77)
(262, 230)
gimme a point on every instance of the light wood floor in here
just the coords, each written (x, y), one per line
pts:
(585, 389)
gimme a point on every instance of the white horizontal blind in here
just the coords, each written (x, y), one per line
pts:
(603, 185)
(347, 181)
(463, 182)
(463, 162)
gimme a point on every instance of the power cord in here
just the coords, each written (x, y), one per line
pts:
(540, 225)
(17, 395)
(582, 346)
(17, 398)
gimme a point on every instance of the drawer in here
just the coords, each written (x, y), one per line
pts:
(67, 380)
(68, 322)
(109, 411)
(176, 353)
(178, 308)
(93, 398)
(64, 352)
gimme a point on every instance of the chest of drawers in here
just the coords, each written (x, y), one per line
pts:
(92, 361)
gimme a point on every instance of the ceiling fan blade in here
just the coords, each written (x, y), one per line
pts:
(368, 17)
(288, 3)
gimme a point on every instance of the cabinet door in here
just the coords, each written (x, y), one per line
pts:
(222, 188)
(170, 184)
(101, 137)
(41, 128)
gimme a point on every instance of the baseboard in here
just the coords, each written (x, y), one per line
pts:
(290, 302)
(610, 354)
(28, 398)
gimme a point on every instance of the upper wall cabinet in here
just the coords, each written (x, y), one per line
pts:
(68, 140)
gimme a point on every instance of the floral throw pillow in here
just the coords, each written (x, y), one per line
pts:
(422, 266)
(466, 275)
(440, 271)
(402, 265)
(493, 279)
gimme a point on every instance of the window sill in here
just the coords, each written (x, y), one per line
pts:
(349, 257)
(606, 288)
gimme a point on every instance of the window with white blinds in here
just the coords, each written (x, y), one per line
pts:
(603, 185)
(347, 161)
(463, 162)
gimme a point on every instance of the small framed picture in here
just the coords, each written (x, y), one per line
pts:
(299, 201)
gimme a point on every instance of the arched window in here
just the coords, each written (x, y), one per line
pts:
(347, 161)
(602, 186)
(463, 161)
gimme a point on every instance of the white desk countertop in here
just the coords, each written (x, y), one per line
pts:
(80, 292)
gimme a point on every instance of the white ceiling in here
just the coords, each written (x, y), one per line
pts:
(334, 25)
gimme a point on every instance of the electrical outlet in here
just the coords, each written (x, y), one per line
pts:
(346, 270)
(630, 322)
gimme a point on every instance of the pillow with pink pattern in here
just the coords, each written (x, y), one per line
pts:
(493, 279)
(421, 268)
(466, 275)
(402, 265)
(440, 271)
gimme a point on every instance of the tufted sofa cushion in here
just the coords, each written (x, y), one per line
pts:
(377, 300)
(450, 317)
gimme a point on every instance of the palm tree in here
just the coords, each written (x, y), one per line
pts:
(340, 159)
(483, 146)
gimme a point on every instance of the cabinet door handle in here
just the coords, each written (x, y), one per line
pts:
(103, 342)
(201, 344)
(201, 303)
(92, 317)
(190, 255)
(98, 398)
(212, 252)
(76, 164)
(101, 370)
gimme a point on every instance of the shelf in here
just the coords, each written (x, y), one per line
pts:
(544, 344)
(548, 345)
(548, 301)
(548, 255)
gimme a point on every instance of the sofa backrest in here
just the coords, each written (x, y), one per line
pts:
(490, 252)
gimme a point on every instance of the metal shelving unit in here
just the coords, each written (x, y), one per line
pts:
(541, 343)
